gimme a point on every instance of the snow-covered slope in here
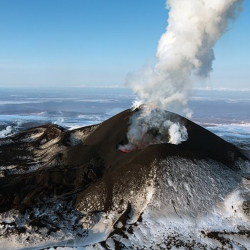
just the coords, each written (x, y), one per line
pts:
(62, 188)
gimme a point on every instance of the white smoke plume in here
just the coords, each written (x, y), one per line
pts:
(152, 127)
(7, 131)
(185, 49)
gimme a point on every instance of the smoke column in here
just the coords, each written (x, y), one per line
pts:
(185, 49)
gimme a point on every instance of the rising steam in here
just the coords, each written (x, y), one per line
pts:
(152, 127)
(185, 49)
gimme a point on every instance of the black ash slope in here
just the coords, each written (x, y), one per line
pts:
(84, 171)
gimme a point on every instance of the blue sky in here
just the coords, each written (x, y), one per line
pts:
(97, 42)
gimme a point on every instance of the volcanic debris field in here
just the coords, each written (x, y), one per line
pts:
(75, 188)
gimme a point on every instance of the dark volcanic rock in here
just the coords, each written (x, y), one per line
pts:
(60, 186)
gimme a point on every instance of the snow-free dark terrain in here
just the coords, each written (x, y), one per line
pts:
(75, 188)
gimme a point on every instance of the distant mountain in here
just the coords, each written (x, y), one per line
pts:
(73, 188)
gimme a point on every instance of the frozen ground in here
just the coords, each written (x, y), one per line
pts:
(221, 221)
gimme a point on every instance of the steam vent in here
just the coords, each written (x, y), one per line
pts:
(75, 188)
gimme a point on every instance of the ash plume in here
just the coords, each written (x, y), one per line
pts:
(185, 49)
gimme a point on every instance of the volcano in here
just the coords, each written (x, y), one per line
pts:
(74, 188)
